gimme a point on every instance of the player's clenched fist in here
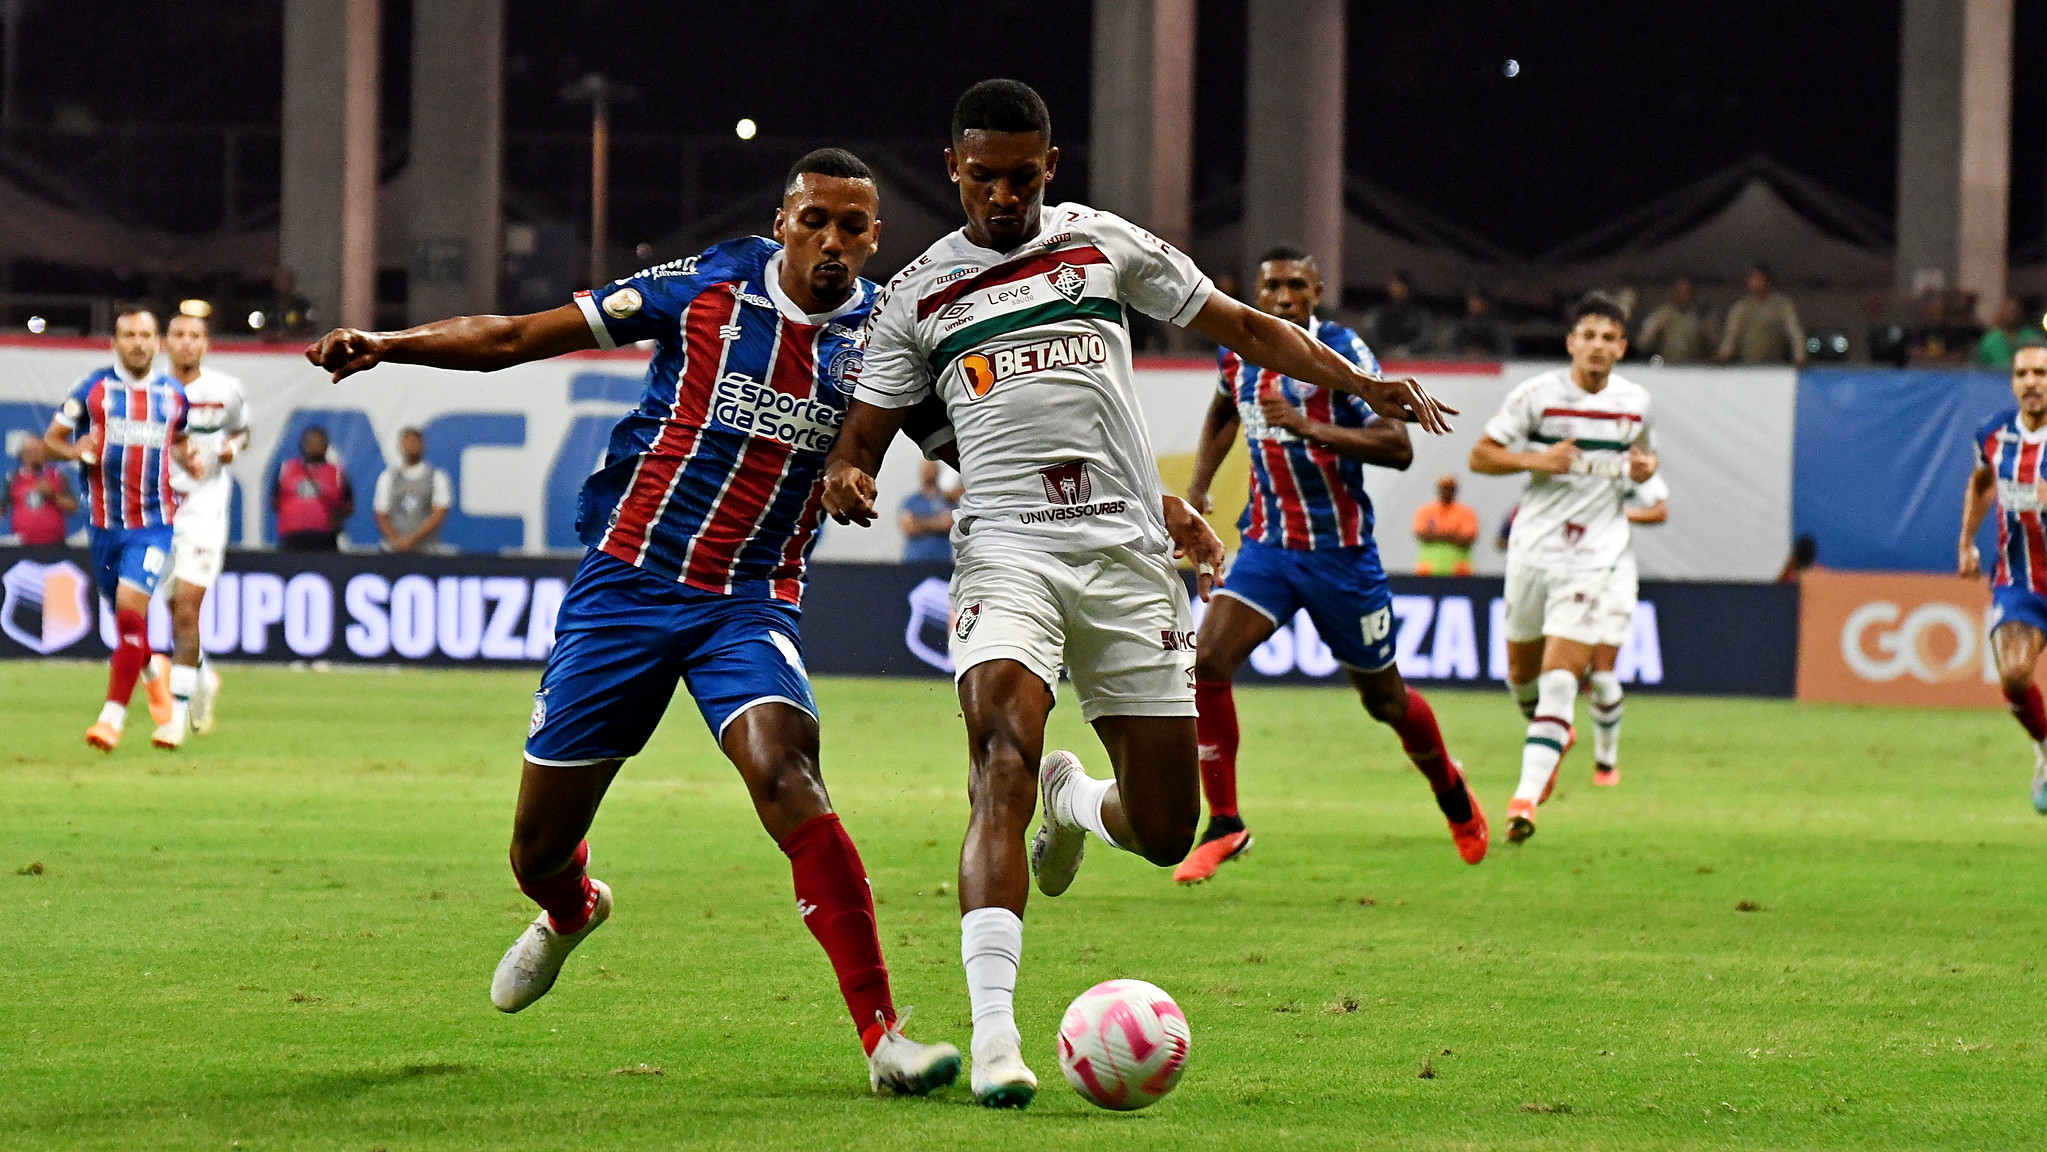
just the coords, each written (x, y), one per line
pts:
(1968, 563)
(1194, 540)
(346, 351)
(849, 495)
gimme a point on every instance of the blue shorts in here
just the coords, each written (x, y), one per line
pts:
(136, 556)
(2010, 604)
(623, 640)
(1343, 589)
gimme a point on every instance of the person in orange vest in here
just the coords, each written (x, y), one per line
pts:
(313, 498)
(1445, 530)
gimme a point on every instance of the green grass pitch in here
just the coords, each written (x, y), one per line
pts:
(282, 937)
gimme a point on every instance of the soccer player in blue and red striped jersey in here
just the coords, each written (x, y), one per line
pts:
(2009, 471)
(122, 423)
(1307, 543)
(698, 525)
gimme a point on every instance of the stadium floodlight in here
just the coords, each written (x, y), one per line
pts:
(256, 320)
(746, 128)
(36, 324)
(195, 307)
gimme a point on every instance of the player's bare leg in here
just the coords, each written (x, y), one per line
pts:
(131, 656)
(775, 748)
(2017, 648)
(185, 600)
(1389, 700)
(1550, 731)
(1005, 705)
(1608, 700)
(1229, 632)
(550, 860)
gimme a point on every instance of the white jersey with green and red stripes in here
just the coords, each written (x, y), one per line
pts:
(1573, 520)
(1030, 353)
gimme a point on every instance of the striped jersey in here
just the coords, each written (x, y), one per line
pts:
(716, 479)
(1030, 354)
(137, 421)
(2013, 454)
(1573, 520)
(1303, 495)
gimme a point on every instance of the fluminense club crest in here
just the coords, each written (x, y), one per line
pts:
(1069, 281)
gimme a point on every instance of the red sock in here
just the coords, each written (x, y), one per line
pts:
(1423, 741)
(838, 907)
(567, 895)
(2026, 706)
(1216, 730)
(131, 655)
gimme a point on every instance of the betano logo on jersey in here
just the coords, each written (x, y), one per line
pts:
(984, 370)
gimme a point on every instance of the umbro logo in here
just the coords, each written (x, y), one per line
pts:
(804, 908)
(729, 333)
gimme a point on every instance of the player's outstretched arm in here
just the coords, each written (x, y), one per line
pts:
(1976, 500)
(1291, 350)
(1489, 457)
(464, 343)
(1382, 442)
(1218, 432)
(850, 469)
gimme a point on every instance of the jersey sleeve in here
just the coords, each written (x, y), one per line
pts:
(647, 305)
(1516, 419)
(893, 370)
(444, 492)
(1977, 447)
(1353, 349)
(1649, 493)
(1154, 277)
(72, 412)
(928, 426)
(380, 496)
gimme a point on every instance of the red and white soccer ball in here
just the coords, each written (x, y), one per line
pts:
(1123, 1044)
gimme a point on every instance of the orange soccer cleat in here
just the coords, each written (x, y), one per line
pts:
(1606, 775)
(1520, 820)
(1210, 855)
(157, 685)
(1570, 742)
(103, 736)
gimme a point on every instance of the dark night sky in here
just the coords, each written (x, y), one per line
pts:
(1618, 101)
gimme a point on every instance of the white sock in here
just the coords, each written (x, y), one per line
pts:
(1524, 696)
(1607, 700)
(1082, 798)
(991, 947)
(1548, 733)
(113, 715)
(184, 681)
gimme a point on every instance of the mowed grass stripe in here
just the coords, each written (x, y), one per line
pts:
(283, 935)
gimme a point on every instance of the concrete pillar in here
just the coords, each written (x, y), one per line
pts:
(456, 227)
(327, 227)
(1141, 152)
(1954, 147)
(1293, 133)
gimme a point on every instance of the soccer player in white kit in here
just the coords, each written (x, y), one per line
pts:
(1645, 503)
(217, 428)
(1587, 435)
(1064, 539)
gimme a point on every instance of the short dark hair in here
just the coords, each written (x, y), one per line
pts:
(205, 323)
(1763, 268)
(410, 430)
(1285, 252)
(138, 310)
(827, 162)
(1001, 106)
(2034, 342)
(1599, 304)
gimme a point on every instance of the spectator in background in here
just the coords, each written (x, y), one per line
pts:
(1445, 531)
(926, 520)
(1805, 556)
(39, 497)
(1762, 327)
(1480, 332)
(1400, 325)
(290, 314)
(1680, 330)
(2002, 338)
(312, 498)
(412, 499)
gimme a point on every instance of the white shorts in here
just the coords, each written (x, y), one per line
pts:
(1587, 605)
(1117, 618)
(197, 553)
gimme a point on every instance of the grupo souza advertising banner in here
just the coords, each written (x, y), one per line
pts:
(1895, 638)
(858, 619)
